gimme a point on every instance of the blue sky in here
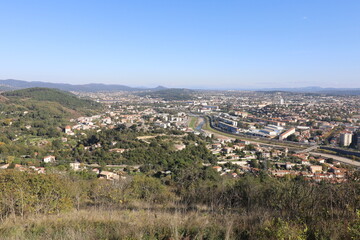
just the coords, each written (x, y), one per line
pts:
(182, 43)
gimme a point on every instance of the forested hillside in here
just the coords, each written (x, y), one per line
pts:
(39, 112)
(66, 99)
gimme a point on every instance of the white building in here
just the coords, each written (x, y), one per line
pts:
(49, 159)
(286, 133)
(75, 166)
(67, 129)
(109, 175)
(345, 139)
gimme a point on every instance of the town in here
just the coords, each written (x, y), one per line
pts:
(315, 137)
(179, 120)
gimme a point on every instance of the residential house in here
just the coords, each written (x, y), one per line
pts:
(49, 159)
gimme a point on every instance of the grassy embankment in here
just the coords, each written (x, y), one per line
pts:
(192, 122)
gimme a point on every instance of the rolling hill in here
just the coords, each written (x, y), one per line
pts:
(65, 99)
(41, 112)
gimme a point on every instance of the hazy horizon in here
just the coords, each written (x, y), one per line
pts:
(192, 88)
(184, 44)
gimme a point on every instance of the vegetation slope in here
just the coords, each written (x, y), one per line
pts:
(39, 112)
(65, 99)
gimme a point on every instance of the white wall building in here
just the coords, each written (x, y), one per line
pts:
(345, 139)
(286, 134)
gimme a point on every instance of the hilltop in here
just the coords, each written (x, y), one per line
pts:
(41, 111)
(65, 99)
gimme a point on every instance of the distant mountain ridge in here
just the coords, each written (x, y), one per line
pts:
(11, 84)
(318, 90)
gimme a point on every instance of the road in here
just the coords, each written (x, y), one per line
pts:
(308, 149)
(337, 158)
(258, 140)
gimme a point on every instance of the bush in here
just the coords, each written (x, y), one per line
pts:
(25, 193)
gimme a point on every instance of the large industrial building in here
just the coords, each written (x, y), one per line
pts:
(228, 127)
(287, 133)
(271, 130)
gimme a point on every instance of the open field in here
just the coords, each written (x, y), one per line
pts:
(192, 123)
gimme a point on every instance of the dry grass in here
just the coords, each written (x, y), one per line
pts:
(119, 224)
(161, 223)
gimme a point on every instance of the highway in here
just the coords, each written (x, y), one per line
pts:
(311, 148)
(260, 140)
(337, 158)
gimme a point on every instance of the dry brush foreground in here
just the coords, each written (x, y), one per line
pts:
(94, 223)
(117, 224)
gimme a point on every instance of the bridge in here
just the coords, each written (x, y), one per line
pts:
(309, 149)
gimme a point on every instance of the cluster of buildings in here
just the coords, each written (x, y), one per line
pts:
(308, 119)
(347, 138)
(236, 158)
